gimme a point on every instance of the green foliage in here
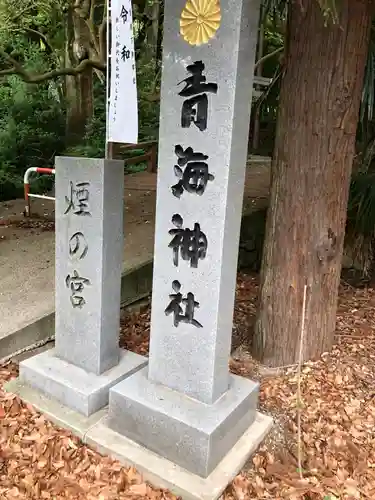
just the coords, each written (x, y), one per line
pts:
(29, 28)
(362, 203)
(31, 132)
(271, 68)
(93, 144)
(37, 15)
(267, 105)
(360, 234)
(329, 8)
(361, 207)
(366, 124)
(149, 110)
(32, 119)
(276, 8)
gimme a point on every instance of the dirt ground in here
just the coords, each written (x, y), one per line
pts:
(322, 446)
(139, 197)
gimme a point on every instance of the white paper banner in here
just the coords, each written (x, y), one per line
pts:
(123, 101)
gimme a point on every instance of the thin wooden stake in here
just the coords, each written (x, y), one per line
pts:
(299, 396)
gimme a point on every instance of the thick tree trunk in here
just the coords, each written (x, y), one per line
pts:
(315, 141)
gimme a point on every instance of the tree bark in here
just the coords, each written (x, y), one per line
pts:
(152, 12)
(311, 168)
(80, 105)
(79, 88)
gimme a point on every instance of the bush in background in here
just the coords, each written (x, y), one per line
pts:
(93, 144)
(32, 131)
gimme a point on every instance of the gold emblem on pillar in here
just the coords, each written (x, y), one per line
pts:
(200, 19)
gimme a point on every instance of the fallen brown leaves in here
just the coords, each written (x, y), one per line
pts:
(20, 222)
(40, 224)
(338, 418)
(39, 461)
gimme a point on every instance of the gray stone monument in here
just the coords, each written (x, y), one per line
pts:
(87, 359)
(185, 405)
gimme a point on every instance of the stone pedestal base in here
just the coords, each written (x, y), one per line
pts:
(185, 431)
(72, 386)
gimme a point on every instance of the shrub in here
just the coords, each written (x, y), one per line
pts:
(32, 132)
(93, 144)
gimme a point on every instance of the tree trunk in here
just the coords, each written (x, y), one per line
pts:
(80, 106)
(314, 150)
(79, 88)
(153, 30)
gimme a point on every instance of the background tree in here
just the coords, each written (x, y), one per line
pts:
(72, 34)
(32, 127)
(53, 56)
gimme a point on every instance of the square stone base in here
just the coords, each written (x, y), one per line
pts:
(164, 474)
(185, 431)
(72, 386)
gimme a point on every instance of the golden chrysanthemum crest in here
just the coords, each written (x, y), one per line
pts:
(200, 19)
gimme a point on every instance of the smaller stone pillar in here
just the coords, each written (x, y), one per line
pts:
(87, 360)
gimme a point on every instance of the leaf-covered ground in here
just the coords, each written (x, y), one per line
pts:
(337, 432)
